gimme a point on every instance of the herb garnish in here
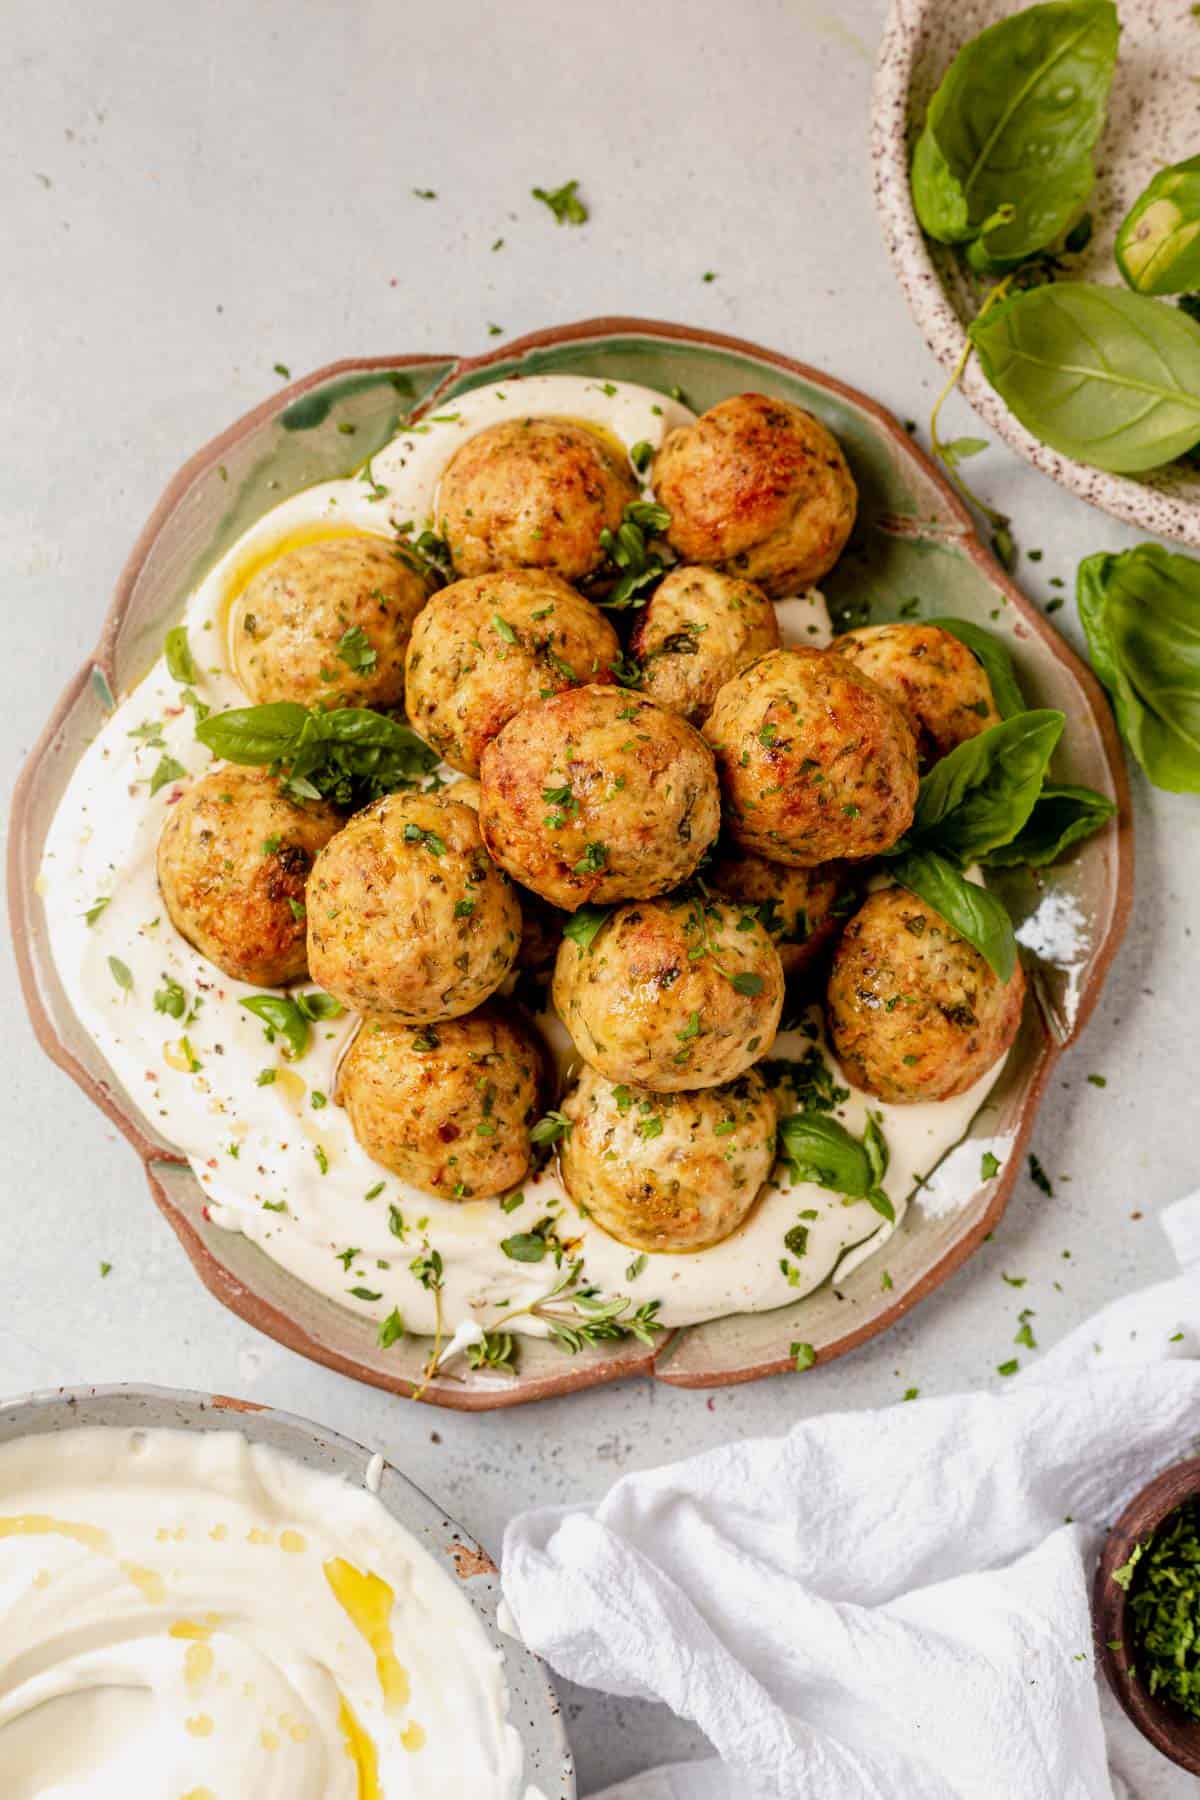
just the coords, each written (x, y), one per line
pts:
(350, 755)
(290, 1016)
(564, 203)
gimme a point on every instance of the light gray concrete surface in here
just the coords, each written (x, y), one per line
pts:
(194, 193)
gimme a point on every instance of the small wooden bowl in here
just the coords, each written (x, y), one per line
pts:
(1167, 1729)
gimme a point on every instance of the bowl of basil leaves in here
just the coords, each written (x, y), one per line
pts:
(1039, 193)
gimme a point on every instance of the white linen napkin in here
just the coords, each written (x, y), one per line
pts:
(887, 1605)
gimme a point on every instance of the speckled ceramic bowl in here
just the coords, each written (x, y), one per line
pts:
(533, 1704)
(1152, 120)
(913, 548)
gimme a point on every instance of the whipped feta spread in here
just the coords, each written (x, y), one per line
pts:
(194, 1617)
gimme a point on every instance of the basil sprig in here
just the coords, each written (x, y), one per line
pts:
(1141, 613)
(349, 755)
(818, 1148)
(987, 802)
(290, 1016)
(980, 794)
(1004, 163)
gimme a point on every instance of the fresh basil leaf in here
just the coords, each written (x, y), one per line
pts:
(584, 924)
(166, 770)
(820, 1149)
(318, 1005)
(181, 665)
(1006, 153)
(1141, 612)
(980, 794)
(1108, 377)
(967, 908)
(1061, 816)
(1158, 245)
(350, 755)
(281, 1017)
(993, 653)
(253, 734)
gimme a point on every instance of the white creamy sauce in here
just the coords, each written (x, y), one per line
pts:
(279, 1162)
(193, 1617)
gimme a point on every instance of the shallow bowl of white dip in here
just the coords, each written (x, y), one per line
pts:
(733, 1312)
(204, 1597)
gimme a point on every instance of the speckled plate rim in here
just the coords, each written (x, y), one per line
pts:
(628, 1358)
(535, 1711)
(1137, 503)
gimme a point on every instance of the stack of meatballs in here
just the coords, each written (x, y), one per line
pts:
(723, 809)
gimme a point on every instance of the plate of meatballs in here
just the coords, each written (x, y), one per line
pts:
(570, 864)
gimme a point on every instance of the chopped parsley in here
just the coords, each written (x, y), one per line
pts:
(356, 651)
(564, 203)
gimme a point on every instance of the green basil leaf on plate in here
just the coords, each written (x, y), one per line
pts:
(1062, 816)
(1141, 614)
(820, 1149)
(350, 756)
(253, 734)
(181, 664)
(1158, 245)
(967, 908)
(980, 795)
(997, 662)
(1105, 376)
(1006, 153)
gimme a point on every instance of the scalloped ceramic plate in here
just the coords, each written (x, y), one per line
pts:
(1151, 121)
(913, 539)
(533, 1705)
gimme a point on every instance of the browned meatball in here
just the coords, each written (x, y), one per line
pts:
(674, 994)
(800, 908)
(447, 1107)
(941, 689)
(233, 864)
(407, 918)
(327, 624)
(816, 763)
(668, 1172)
(699, 628)
(760, 488)
(915, 1013)
(598, 795)
(532, 494)
(484, 648)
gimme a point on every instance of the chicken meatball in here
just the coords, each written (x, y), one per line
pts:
(674, 994)
(915, 1013)
(699, 629)
(761, 489)
(327, 624)
(668, 1172)
(941, 689)
(598, 795)
(815, 761)
(407, 918)
(484, 648)
(447, 1107)
(799, 908)
(532, 494)
(233, 866)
